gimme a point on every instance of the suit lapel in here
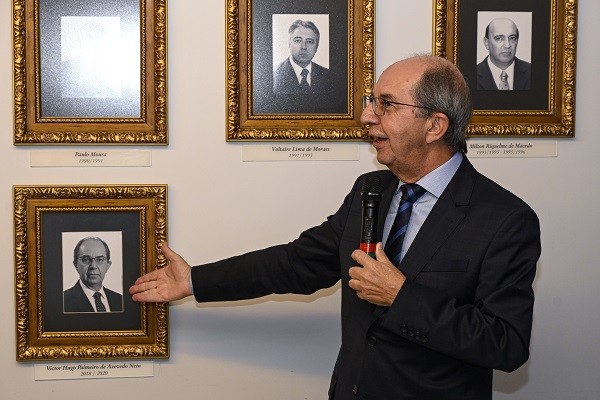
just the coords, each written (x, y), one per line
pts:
(521, 81)
(390, 184)
(82, 299)
(445, 216)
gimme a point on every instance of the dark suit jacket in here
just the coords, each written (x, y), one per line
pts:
(286, 82)
(521, 80)
(75, 300)
(464, 310)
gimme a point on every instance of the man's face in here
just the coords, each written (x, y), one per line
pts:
(303, 45)
(399, 137)
(92, 263)
(502, 42)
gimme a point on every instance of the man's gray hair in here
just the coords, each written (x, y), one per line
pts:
(442, 88)
(305, 24)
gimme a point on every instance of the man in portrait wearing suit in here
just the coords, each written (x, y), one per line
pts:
(298, 74)
(501, 69)
(91, 259)
(455, 302)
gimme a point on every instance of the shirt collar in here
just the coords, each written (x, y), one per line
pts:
(497, 71)
(298, 69)
(436, 181)
(90, 293)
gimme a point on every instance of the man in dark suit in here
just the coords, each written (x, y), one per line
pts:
(459, 302)
(501, 69)
(91, 259)
(298, 74)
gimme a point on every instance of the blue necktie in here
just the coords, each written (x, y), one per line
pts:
(393, 246)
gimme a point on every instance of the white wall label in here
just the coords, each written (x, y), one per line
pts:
(93, 370)
(90, 158)
(300, 152)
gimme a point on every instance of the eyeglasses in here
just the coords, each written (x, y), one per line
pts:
(380, 105)
(87, 260)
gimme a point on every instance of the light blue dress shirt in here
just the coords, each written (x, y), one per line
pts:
(435, 183)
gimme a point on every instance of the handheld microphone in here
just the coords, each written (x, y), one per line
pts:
(371, 195)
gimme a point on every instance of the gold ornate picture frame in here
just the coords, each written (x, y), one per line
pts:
(547, 30)
(258, 43)
(54, 319)
(90, 72)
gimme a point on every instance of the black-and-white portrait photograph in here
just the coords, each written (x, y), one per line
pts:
(301, 54)
(504, 50)
(92, 272)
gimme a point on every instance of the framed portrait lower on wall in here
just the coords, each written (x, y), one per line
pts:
(78, 249)
(518, 58)
(298, 70)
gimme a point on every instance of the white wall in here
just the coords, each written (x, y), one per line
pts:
(284, 347)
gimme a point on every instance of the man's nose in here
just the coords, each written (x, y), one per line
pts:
(368, 115)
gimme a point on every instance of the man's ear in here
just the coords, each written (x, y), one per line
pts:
(485, 43)
(438, 124)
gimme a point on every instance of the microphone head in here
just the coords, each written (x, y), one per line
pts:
(371, 185)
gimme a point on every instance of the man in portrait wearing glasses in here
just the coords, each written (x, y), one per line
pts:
(501, 69)
(446, 297)
(91, 259)
(298, 74)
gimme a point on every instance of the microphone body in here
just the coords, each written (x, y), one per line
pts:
(371, 195)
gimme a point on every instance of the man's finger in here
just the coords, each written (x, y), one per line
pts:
(380, 254)
(149, 277)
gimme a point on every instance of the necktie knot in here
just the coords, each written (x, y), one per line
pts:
(411, 192)
(304, 73)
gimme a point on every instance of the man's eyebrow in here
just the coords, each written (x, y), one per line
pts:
(387, 96)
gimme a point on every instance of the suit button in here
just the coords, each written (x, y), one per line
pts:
(424, 339)
(418, 335)
(403, 328)
(372, 341)
(355, 390)
(411, 332)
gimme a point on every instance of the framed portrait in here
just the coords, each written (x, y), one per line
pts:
(78, 249)
(518, 58)
(90, 72)
(298, 70)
